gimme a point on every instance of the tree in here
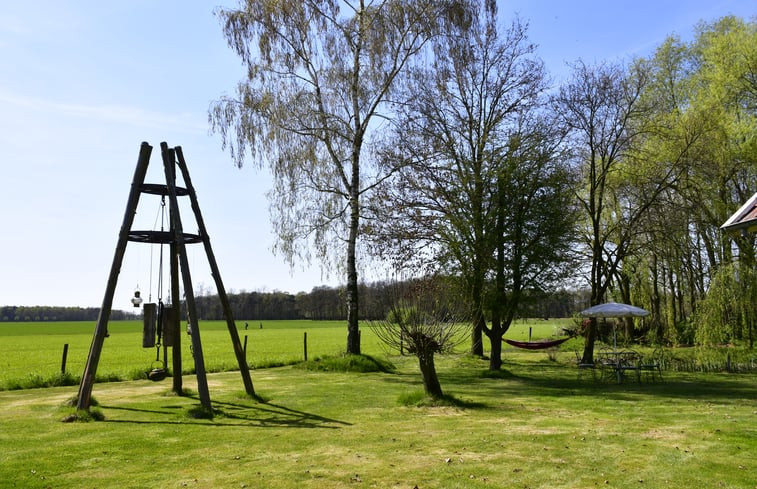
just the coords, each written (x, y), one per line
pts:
(457, 151)
(319, 73)
(420, 324)
(725, 53)
(702, 94)
(603, 108)
(728, 311)
(534, 227)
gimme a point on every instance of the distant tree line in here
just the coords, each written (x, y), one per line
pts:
(322, 303)
(57, 313)
(325, 303)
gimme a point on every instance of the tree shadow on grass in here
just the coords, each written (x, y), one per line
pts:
(454, 390)
(554, 379)
(260, 415)
(561, 380)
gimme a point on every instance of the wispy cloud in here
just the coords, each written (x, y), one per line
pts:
(109, 113)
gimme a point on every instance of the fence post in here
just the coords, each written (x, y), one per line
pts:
(245, 347)
(63, 361)
(305, 344)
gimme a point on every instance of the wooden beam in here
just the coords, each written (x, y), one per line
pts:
(169, 160)
(101, 329)
(231, 326)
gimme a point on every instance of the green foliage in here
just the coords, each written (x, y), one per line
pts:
(403, 315)
(712, 359)
(728, 311)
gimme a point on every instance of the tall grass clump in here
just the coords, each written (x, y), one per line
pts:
(348, 363)
(37, 381)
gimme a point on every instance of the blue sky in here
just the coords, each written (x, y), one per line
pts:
(83, 83)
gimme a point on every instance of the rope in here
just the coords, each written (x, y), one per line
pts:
(160, 275)
(154, 225)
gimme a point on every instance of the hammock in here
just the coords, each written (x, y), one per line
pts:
(535, 345)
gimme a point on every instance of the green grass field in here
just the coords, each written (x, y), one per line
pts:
(536, 425)
(31, 350)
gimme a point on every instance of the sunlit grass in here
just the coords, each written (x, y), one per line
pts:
(537, 427)
(31, 353)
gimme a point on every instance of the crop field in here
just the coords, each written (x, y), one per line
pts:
(29, 349)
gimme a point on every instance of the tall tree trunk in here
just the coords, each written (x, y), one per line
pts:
(430, 380)
(496, 332)
(477, 336)
(591, 336)
(495, 362)
(479, 321)
(597, 292)
(655, 299)
(672, 297)
(495, 337)
(624, 284)
(353, 331)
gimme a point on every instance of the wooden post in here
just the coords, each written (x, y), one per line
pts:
(178, 231)
(176, 366)
(101, 329)
(231, 326)
(305, 345)
(245, 346)
(63, 360)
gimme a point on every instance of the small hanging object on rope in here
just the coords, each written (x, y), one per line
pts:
(158, 371)
(137, 300)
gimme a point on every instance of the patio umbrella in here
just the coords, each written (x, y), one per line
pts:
(613, 310)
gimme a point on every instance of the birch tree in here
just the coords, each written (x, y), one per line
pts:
(318, 75)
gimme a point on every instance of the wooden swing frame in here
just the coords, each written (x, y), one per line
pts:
(179, 264)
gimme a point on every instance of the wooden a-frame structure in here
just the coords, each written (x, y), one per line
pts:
(177, 239)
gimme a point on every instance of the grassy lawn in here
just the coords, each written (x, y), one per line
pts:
(536, 426)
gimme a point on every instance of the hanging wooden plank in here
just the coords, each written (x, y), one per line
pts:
(149, 319)
(170, 326)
